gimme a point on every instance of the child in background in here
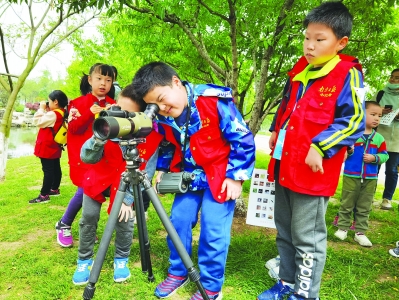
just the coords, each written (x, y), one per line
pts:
(360, 177)
(208, 137)
(82, 112)
(49, 119)
(107, 166)
(320, 115)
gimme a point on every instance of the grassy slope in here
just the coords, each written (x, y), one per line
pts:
(33, 266)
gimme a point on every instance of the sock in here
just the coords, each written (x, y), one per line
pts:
(176, 277)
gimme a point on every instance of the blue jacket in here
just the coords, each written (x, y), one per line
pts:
(242, 155)
(373, 144)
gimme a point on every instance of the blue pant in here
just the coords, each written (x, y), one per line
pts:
(391, 175)
(214, 240)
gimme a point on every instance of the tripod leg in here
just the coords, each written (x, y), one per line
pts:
(105, 240)
(193, 274)
(144, 241)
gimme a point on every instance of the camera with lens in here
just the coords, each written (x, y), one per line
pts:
(174, 182)
(117, 123)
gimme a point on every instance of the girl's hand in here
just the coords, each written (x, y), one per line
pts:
(233, 188)
(96, 109)
(314, 160)
(43, 105)
(125, 213)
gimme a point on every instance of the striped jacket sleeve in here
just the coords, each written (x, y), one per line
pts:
(349, 119)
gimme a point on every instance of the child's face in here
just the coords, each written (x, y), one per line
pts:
(373, 116)
(100, 84)
(127, 104)
(52, 104)
(171, 100)
(321, 44)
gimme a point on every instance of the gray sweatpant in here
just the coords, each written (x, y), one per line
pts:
(88, 227)
(301, 239)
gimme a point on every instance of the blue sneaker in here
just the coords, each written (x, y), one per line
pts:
(121, 271)
(170, 285)
(276, 292)
(298, 297)
(82, 272)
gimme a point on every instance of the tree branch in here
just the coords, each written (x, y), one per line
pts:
(212, 12)
(3, 50)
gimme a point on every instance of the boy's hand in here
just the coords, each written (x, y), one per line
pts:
(233, 187)
(157, 180)
(368, 158)
(272, 140)
(314, 160)
(96, 109)
(126, 212)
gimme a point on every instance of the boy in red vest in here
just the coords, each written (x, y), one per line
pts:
(207, 136)
(105, 169)
(320, 116)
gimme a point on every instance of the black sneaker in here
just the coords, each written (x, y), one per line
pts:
(40, 199)
(54, 192)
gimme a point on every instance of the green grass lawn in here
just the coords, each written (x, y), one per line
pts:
(33, 266)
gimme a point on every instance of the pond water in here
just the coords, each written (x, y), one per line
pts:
(22, 141)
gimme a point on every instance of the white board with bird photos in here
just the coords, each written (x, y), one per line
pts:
(261, 200)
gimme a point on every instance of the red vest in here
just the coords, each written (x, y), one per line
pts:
(313, 113)
(79, 131)
(102, 174)
(45, 146)
(208, 147)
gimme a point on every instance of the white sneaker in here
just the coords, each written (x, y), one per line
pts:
(362, 240)
(386, 204)
(273, 273)
(272, 263)
(341, 234)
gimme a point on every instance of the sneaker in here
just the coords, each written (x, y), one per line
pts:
(394, 252)
(121, 270)
(276, 292)
(272, 263)
(211, 296)
(341, 234)
(82, 272)
(64, 235)
(298, 297)
(353, 227)
(335, 222)
(55, 192)
(273, 273)
(170, 285)
(386, 204)
(362, 239)
(40, 199)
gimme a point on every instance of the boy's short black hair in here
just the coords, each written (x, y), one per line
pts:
(129, 92)
(395, 70)
(152, 75)
(367, 104)
(334, 15)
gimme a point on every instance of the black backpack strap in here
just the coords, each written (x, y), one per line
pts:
(379, 96)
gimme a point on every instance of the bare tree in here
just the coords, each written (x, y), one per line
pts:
(41, 26)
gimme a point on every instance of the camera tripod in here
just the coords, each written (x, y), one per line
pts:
(134, 177)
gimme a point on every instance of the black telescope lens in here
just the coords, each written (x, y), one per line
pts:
(101, 128)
